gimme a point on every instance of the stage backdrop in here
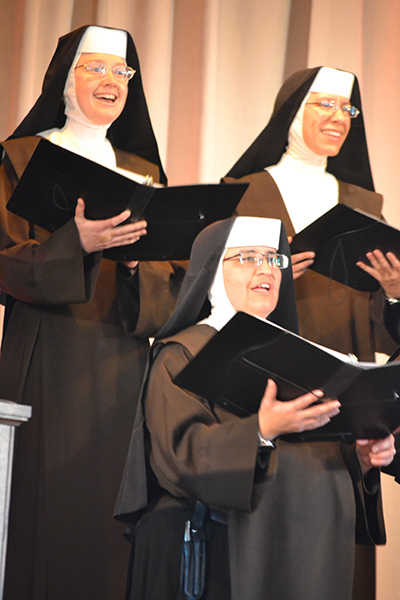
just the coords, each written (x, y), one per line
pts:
(211, 70)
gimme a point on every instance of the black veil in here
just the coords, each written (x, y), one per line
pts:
(135, 491)
(131, 132)
(351, 165)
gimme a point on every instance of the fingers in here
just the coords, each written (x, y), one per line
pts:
(296, 258)
(378, 264)
(368, 269)
(381, 265)
(80, 208)
(318, 415)
(382, 451)
(385, 268)
(301, 262)
(375, 453)
(270, 393)
(393, 260)
(125, 234)
(112, 222)
(277, 417)
(299, 269)
(99, 235)
(117, 220)
(383, 262)
(306, 400)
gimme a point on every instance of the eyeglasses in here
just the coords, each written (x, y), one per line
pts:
(256, 259)
(331, 106)
(100, 70)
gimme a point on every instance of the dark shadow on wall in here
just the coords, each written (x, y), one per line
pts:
(298, 37)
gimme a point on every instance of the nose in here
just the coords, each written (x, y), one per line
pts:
(265, 267)
(109, 77)
(339, 115)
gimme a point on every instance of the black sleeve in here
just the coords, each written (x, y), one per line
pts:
(128, 297)
(391, 317)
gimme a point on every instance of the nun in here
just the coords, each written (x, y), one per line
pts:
(77, 327)
(311, 156)
(282, 517)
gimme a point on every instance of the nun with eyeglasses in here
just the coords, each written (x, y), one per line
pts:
(312, 155)
(77, 327)
(281, 518)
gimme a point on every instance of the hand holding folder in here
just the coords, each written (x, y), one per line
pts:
(233, 368)
(342, 237)
(55, 178)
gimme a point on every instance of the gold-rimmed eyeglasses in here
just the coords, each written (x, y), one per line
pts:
(331, 106)
(100, 70)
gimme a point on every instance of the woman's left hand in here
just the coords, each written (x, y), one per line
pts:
(375, 453)
(96, 236)
(301, 261)
(385, 268)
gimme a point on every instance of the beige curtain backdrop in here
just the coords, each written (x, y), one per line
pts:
(211, 70)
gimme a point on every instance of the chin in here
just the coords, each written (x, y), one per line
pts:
(263, 313)
(333, 151)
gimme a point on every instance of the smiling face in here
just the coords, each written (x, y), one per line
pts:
(100, 99)
(253, 290)
(324, 133)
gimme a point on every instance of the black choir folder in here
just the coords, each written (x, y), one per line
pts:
(55, 178)
(341, 237)
(233, 368)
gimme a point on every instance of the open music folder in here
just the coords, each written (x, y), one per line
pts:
(55, 178)
(233, 368)
(341, 237)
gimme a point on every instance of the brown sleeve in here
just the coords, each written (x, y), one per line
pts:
(383, 321)
(50, 269)
(370, 526)
(192, 454)
(159, 285)
(146, 302)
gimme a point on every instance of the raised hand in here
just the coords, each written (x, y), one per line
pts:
(96, 236)
(276, 417)
(385, 268)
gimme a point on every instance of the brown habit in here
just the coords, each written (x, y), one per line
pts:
(75, 349)
(291, 525)
(330, 313)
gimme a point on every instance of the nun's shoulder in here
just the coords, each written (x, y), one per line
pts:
(19, 151)
(193, 338)
(252, 178)
(21, 147)
(360, 198)
(262, 198)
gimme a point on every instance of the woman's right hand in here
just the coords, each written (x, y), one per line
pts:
(96, 236)
(293, 416)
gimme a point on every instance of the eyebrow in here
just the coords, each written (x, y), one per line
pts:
(333, 97)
